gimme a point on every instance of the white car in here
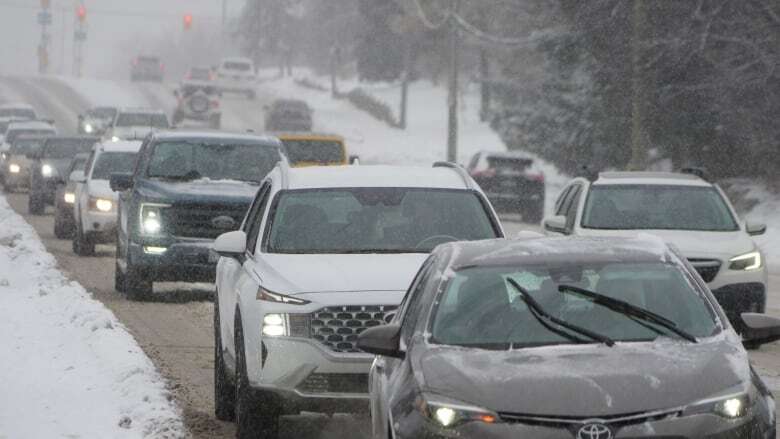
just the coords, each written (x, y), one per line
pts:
(685, 210)
(19, 111)
(136, 124)
(324, 253)
(237, 75)
(95, 207)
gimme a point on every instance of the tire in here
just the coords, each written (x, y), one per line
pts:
(82, 245)
(61, 230)
(257, 415)
(119, 278)
(35, 205)
(137, 286)
(224, 389)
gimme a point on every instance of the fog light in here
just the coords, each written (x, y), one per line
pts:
(46, 170)
(115, 139)
(152, 225)
(274, 325)
(14, 168)
(154, 250)
(70, 198)
(104, 205)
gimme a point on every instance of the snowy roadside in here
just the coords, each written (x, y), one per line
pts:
(70, 367)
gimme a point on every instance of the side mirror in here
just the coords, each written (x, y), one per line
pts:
(121, 182)
(381, 340)
(760, 328)
(78, 177)
(755, 229)
(354, 160)
(555, 224)
(230, 244)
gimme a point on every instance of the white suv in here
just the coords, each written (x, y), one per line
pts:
(324, 253)
(136, 123)
(95, 209)
(685, 210)
(237, 75)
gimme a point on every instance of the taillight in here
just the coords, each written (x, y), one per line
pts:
(162, 67)
(536, 177)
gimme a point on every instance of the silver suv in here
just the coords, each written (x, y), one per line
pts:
(198, 101)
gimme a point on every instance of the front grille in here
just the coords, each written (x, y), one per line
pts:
(707, 268)
(569, 423)
(197, 221)
(318, 383)
(338, 327)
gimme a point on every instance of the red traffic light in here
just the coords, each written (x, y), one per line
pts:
(187, 21)
(81, 13)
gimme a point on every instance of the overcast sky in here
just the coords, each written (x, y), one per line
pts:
(111, 25)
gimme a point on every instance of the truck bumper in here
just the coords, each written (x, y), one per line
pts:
(180, 261)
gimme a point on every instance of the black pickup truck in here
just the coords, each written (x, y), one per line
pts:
(49, 166)
(188, 188)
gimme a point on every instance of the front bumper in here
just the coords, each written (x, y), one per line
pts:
(19, 179)
(182, 260)
(100, 227)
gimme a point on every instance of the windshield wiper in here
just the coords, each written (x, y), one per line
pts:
(192, 175)
(627, 309)
(541, 315)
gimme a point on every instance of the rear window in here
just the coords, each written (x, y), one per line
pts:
(14, 133)
(142, 120)
(235, 65)
(200, 74)
(113, 163)
(20, 113)
(102, 113)
(314, 151)
(145, 61)
(67, 148)
(509, 164)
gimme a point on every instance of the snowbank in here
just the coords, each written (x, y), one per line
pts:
(70, 369)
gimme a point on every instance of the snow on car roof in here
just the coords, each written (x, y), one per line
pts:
(121, 146)
(214, 135)
(642, 247)
(318, 177)
(30, 125)
(660, 178)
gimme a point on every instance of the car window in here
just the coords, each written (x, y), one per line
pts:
(66, 148)
(109, 163)
(237, 65)
(255, 218)
(561, 202)
(142, 120)
(573, 204)
(314, 151)
(412, 310)
(19, 113)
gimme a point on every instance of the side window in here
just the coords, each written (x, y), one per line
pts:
(573, 204)
(255, 218)
(416, 293)
(561, 202)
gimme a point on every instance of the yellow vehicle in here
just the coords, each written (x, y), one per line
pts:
(313, 149)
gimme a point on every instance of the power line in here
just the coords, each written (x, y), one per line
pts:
(504, 41)
(427, 22)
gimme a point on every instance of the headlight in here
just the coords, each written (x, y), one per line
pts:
(47, 170)
(13, 168)
(269, 296)
(151, 218)
(730, 407)
(100, 204)
(746, 262)
(3, 156)
(447, 414)
(275, 325)
(115, 139)
(88, 128)
(70, 197)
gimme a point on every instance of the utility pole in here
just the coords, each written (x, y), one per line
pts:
(484, 73)
(223, 34)
(452, 98)
(44, 19)
(638, 135)
(79, 36)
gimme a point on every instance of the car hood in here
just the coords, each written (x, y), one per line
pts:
(295, 274)
(587, 380)
(693, 244)
(198, 191)
(102, 189)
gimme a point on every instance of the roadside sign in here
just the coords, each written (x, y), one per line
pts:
(44, 18)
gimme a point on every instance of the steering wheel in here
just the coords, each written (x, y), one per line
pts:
(434, 238)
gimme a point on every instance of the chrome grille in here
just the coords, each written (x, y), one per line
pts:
(708, 268)
(318, 383)
(195, 221)
(338, 327)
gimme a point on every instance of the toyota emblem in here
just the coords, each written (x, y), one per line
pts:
(594, 431)
(223, 222)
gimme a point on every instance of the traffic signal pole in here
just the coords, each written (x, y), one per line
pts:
(44, 19)
(79, 37)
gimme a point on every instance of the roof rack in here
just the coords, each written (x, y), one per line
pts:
(697, 171)
(588, 173)
(284, 169)
(457, 168)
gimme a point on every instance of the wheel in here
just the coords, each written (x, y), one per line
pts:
(82, 245)
(62, 230)
(137, 286)
(119, 278)
(224, 390)
(257, 415)
(35, 205)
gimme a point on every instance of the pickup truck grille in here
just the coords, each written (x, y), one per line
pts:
(337, 327)
(708, 268)
(202, 221)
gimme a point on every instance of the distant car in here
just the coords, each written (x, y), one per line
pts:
(237, 75)
(198, 101)
(96, 120)
(64, 224)
(49, 168)
(190, 187)
(136, 123)
(556, 338)
(14, 173)
(512, 183)
(200, 74)
(17, 171)
(315, 149)
(288, 115)
(147, 68)
(95, 207)
(18, 111)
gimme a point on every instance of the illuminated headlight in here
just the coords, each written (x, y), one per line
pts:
(100, 204)
(153, 250)
(3, 156)
(88, 128)
(47, 170)
(746, 262)
(275, 325)
(731, 407)
(270, 296)
(70, 197)
(449, 414)
(115, 139)
(151, 218)
(13, 168)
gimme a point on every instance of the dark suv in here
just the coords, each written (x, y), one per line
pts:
(511, 182)
(288, 115)
(188, 188)
(147, 68)
(50, 166)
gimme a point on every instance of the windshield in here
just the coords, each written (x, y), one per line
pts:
(113, 163)
(78, 163)
(316, 151)
(376, 220)
(102, 113)
(11, 135)
(479, 307)
(214, 161)
(24, 146)
(142, 120)
(240, 66)
(66, 148)
(623, 207)
(19, 113)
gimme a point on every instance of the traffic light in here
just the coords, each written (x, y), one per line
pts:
(187, 21)
(81, 13)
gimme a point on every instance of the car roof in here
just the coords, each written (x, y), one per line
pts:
(507, 154)
(350, 176)
(190, 134)
(305, 135)
(645, 177)
(30, 124)
(237, 59)
(120, 146)
(641, 248)
(50, 139)
(19, 105)
(140, 110)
